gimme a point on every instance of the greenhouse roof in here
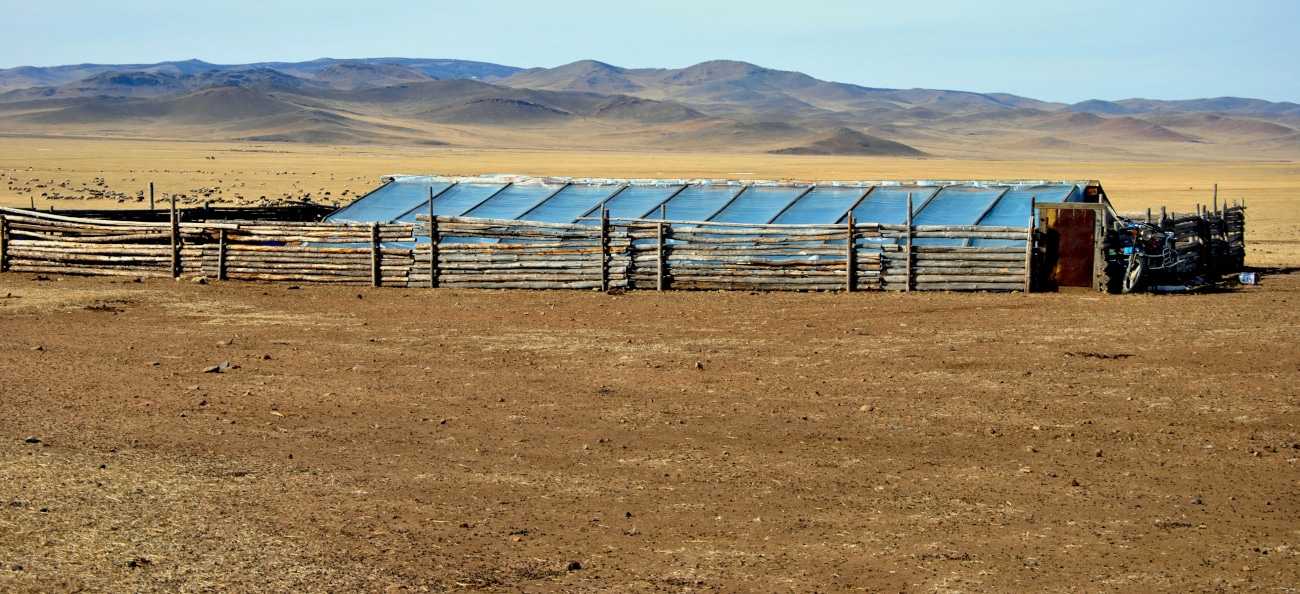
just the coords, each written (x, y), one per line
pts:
(569, 200)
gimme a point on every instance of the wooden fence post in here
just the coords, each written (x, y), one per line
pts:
(851, 257)
(4, 243)
(907, 286)
(1029, 246)
(176, 240)
(221, 256)
(375, 256)
(150, 195)
(660, 258)
(605, 250)
(433, 243)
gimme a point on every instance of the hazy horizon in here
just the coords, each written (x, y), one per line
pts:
(1109, 50)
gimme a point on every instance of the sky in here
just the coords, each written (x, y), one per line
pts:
(1045, 49)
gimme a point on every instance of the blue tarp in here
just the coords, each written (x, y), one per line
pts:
(567, 201)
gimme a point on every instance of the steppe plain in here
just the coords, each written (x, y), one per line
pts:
(433, 440)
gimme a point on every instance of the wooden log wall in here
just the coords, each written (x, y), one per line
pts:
(235, 250)
(595, 254)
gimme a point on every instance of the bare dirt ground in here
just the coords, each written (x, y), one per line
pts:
(434, 440)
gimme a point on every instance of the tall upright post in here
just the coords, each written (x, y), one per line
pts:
(221, 256)
(176, 240)
(4, 243)
(1029, 246)
(907, 286)
(604, 249)
(660, 260)
(433, 243)
(850, 256)
(150, 195)
(375, 256)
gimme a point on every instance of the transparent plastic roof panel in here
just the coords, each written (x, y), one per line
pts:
(572, 202)
(823, 205)
(513, 201)
(399, 198)
(454, 201)
(1013, 209)
(759, 204)
(887, 205)
(635, 201)
(697, 203)
(958, 205)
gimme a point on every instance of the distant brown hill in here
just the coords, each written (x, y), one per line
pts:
(360, 75)
(845, 141)
(712, 106)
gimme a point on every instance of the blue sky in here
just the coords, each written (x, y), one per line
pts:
(1056, 51)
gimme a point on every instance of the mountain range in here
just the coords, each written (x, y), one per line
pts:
(717, 105)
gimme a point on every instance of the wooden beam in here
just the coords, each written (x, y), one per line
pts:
(728, 202)
(661, 259)
(221, 255)
(1029, 247)
(4, 243)
(375, 278)
(604, 250)
(791, 203)
(850, 255)
(433, 243)
(176, 240)
(908, 285)
(662, 206)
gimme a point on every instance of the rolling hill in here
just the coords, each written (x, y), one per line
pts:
(711, 106)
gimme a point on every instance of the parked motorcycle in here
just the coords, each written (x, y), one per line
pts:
(1144, 251)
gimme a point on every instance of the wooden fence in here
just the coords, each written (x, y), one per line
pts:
(591, 254)
(1209, 243)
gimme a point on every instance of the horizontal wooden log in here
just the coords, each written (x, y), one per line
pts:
(519, 285)
(956, 278)
(25, 215)
(80, 257)
(932, 257)
(970, 286)
(41, 268)
(649, 223)
(88, 248)
(112, 238)
(937, 249)
(596, 265)
(968, 270)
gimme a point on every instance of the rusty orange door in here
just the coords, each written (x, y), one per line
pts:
(1071, 246)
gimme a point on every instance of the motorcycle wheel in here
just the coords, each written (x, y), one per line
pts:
(1137, 267)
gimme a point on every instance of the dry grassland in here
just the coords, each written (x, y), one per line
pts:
(1271, 189)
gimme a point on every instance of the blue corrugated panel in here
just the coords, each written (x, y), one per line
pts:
(697, 202)
(823, 205)
(389, 202)
(455, 201)
(636, 201)
(572, 202)
(1013, 210)
(758, 204)
(512, 202)
(887, 205)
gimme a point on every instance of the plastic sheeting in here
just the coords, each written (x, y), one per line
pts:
(551, 200)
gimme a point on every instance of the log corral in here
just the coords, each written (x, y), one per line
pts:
(593, 253)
